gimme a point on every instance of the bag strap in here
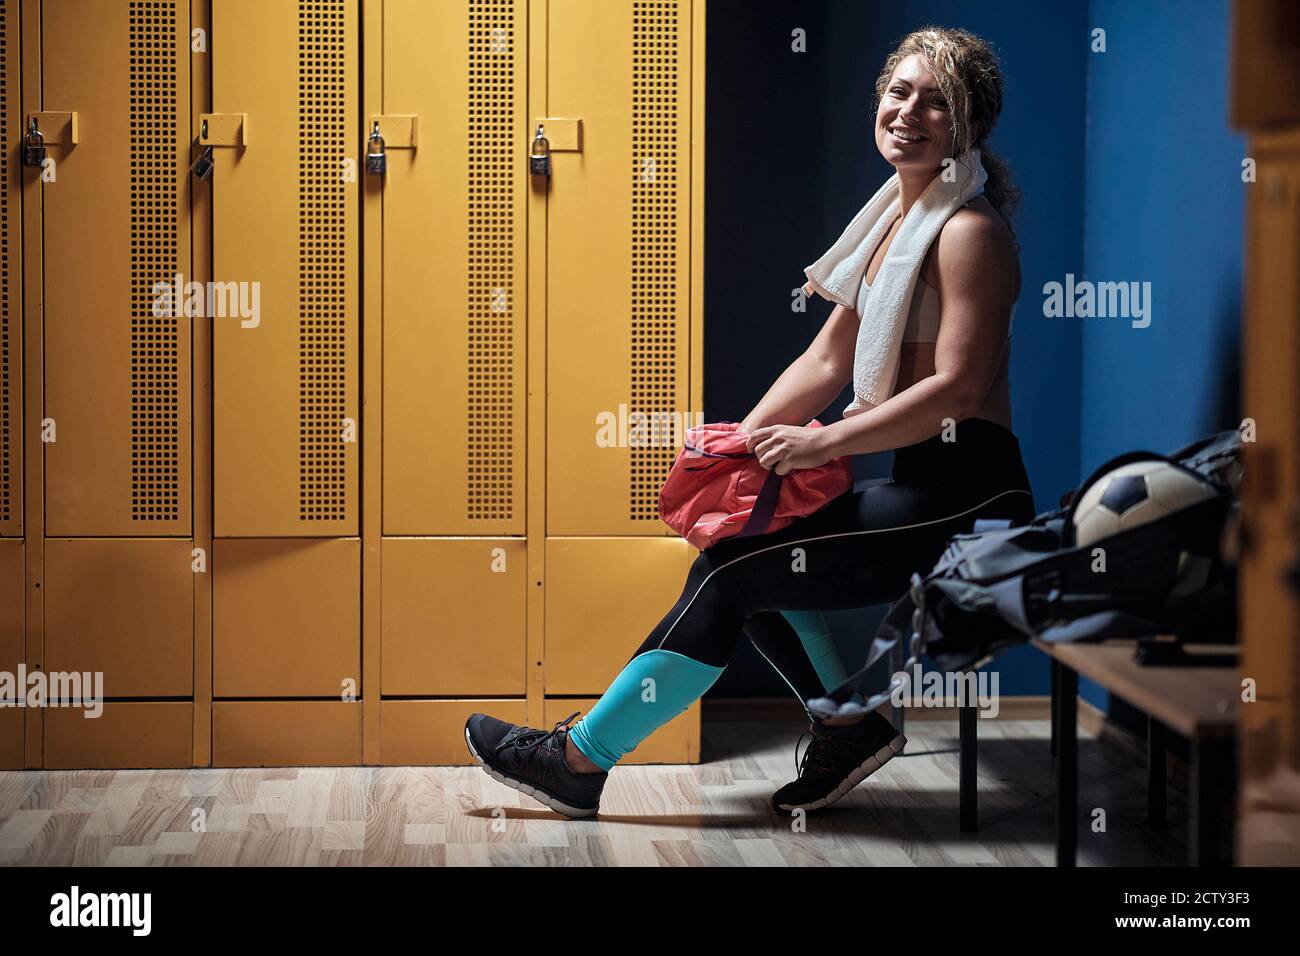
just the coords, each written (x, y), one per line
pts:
(1224, 444)
(888, 640)
(764, 510)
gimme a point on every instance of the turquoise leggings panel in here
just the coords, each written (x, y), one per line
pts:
(815, 637)
(649, 691)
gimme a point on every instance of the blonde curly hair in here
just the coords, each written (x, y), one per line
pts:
(968, 74)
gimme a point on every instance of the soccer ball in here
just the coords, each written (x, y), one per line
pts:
(1132, 495)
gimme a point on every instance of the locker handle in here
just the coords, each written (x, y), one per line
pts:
(563, 134)
(398, 130)
(223, 129)
(58, 127)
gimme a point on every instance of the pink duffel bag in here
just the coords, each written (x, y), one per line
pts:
(718, 490)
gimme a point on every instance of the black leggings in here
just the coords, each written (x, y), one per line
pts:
(861, 549)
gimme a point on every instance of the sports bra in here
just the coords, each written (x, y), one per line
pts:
(922, 312)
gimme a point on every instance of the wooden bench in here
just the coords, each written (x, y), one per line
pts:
(1197, 702)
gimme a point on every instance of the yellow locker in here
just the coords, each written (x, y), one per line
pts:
(123, 607)
(11, 292)
(611, 341)
(286, 618)
(453, 273)
(11, 647)
(127, 734)
(618, 262)
(449, 392)
(116, 230)
(453, 617)
(1269, 616)
(432, 732)
(285, 220)
(11, 738)
(286, 733)
(603, 596)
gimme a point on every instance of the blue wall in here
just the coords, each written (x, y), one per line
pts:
(1164, 204)
(1128, 172)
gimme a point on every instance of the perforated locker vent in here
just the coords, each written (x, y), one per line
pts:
(322, 238)
(655, 52)
(155, 340)
(8, 317)
(493, 168)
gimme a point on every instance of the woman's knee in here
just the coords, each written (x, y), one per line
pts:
(713, 600)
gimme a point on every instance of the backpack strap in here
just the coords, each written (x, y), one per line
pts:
(889, 636)
(1219, 445)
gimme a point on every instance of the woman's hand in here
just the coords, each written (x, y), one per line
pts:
(787, 447)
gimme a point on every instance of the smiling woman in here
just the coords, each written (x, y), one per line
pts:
(938, 95)
(945, 85)
(946, 413)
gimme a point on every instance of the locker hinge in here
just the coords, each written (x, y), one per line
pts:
(397, 129)
(59, 128)
(223, 129)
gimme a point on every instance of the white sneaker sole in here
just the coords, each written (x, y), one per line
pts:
(860, 773)
(545, 799)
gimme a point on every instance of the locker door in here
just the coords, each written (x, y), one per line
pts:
(454, 218)
(285, 208)
(286, 618)
(123, 607)
(618, 247)
(453, 617)
(603, 596)
(1269, 616)
(116, 223)
(11, 647)
(12, 587)
(11, 268)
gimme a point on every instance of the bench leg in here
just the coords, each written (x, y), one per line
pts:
(1056, 679)
(1157, 802)
(1213, 773)
(1067, 767)
(967, 794)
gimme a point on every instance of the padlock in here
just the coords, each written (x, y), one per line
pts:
(202, 165)
(376, 158)
(33, 146)
(539, 157)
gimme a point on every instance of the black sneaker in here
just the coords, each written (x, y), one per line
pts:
(837, 760)
(532, 761)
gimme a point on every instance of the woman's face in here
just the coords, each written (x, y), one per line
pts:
(913, 125)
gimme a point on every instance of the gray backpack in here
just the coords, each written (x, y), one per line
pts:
(998, 586)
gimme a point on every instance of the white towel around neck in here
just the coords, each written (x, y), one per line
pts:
(839, 273)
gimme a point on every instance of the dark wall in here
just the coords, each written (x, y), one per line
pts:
(790, 158)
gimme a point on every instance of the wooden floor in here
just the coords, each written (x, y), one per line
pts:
(712, 814)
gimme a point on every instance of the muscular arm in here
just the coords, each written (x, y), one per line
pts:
(812, 380)
(976, 270)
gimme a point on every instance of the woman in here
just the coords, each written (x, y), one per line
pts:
(956, 459)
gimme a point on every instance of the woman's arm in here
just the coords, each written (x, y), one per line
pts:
(813, 379)
(976, 266)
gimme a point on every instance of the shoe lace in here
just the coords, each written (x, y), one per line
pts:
(821, 754)
(533, 738)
